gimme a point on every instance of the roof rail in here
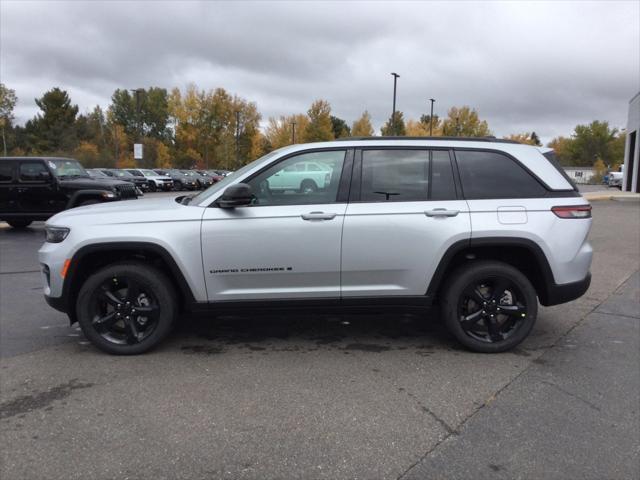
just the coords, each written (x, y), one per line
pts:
(456, 139)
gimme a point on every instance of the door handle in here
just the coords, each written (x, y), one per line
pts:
(318, 216)
(441, 212)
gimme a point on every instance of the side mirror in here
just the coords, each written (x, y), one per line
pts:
(236, 195)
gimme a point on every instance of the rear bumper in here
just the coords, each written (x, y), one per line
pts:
(563, 293)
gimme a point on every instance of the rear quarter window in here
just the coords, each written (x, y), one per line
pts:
(494, 175)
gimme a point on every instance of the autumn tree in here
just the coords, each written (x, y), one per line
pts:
(88, 155)
(416, 128)
(464, 122)
(362, 127)
(395, 126)
(525, 138)
(563, 150)
(280, 131)
(320, 128)
(433, 130)
(8, 101)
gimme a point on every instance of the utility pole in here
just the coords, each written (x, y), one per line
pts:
(237, 139)
(293, 132)
(432, 100)
(393, 114)
(138, 92)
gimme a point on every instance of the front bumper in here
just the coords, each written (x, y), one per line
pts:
(563, 293)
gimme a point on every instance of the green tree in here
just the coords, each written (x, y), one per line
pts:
(53, 130)
(464, 122)
(320, 128)
(591, 142)
(362, 127)
(142, 113)
(8, 102)
(340, 127)
(395, 126)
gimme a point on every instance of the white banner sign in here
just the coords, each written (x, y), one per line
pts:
(137, 151)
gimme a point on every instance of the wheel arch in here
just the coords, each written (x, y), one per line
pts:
(521, 253)
(92, 257)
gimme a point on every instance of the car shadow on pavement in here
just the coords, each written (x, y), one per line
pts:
(304, 332)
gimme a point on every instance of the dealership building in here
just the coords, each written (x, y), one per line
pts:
(630, 180)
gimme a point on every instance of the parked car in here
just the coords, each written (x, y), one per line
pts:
(304, 177)
(155, 180)
(215, 175)
(182, 181)
(203, 179)
(482, 228)
(140, 182)
(615, 179)
(35, 188)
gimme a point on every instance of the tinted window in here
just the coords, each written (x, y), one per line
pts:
(442, 183)
(493, 175)
(394, 175)
(289, 183)
(33, 172)
(6, 171)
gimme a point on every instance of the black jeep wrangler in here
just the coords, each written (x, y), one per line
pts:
(37, 188)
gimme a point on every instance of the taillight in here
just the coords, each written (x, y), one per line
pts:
(573, 211)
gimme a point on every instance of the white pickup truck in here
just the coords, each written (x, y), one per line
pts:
(303, 177)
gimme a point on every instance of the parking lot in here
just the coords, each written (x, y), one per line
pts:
(344, 396)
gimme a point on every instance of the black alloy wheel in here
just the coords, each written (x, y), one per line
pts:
(126, 308)
(489, 306)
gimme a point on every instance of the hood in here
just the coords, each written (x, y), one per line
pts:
(90, 183)
(148, 210)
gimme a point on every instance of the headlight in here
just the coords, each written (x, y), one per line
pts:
(108, 195)
(55, 234)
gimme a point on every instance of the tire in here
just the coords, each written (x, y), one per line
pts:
(177, 185)
(152, 186)
(19, 222)
(308, 186)
(498, 302)
(145, 288)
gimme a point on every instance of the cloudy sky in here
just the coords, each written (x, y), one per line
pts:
(543, 66)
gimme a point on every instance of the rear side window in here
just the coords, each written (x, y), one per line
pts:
(394, 175)
(6, 171)
(33, 172)
(494, 175)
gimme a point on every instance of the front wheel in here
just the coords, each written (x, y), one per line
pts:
(126, 308)
(19, 222)
(489, 306)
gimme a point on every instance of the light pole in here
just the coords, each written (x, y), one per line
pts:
(393, 114)
(293, 132)
(237, 139)
(432, 100)
(138, 92)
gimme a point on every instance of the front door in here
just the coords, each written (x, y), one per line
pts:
(404, 214)
(285, 245)
(36, 192)
(8, 187)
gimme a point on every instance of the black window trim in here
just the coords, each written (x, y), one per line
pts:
(345, 175)
(356, 178)
(12, 171)
(549, 192)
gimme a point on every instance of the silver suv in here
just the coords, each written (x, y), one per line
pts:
(483, 228)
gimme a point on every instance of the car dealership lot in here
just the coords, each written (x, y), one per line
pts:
(343, 396)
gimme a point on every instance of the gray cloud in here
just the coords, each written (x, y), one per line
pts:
(524, 66)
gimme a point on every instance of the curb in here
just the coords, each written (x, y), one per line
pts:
(616, 197)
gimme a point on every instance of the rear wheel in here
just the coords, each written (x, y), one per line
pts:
(489, 306)
(308, 186)
(126, 308)
(19, 222)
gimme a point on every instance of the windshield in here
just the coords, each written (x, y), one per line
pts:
(149, 173)
(229, 179)
(67, 168)
(121, 173)
(97, 173)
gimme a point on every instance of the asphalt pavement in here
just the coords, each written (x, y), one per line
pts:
(344, 396)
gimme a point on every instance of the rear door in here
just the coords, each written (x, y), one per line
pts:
(404, 214)
(8, 187)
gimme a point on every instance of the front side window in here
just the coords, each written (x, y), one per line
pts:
(290, 182)
(33, 172)
(494, 175)
(395, 176)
